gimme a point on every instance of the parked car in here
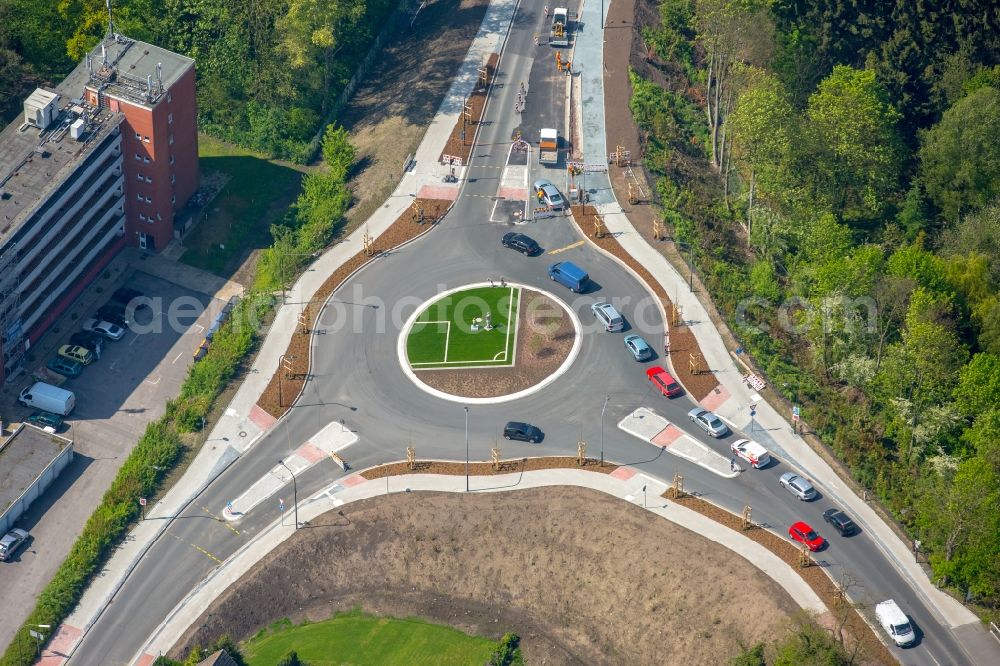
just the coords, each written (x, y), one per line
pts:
(77, 353)
(48, 397)
(797, 486)
(12, 542)
(640, 350)
(113, 312)
(524, 432)
(549, 194)
(708, 422)
(92, 341)
(664, 382)
(106, 328)
(840, 521)
(802, 533)
(131, 297)
(47, 421)
(523, 244)
(65, 367)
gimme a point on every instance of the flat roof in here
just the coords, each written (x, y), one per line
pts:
(34, 163)
(23, 457)
(126, 66)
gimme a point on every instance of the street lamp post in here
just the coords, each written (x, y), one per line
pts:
(295, 492)
(606, 399)
(466, 449)
(281, 372)
(38, 636)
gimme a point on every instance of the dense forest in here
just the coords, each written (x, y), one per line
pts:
(837, 165)
(268, 72)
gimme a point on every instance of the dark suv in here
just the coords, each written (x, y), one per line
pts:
(132, 297)
(523, 244)
(91, 341)
(114, 312)
(840, 521)
(524, 432)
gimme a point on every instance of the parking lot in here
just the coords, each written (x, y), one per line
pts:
(116, 397)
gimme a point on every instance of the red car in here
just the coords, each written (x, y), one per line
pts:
(664, 383)
(804, 534)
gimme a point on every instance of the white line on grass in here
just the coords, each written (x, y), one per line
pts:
(447, 338)
(513, 355)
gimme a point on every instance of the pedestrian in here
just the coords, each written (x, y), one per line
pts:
(503, 283)
(491, 283)
(732, 464)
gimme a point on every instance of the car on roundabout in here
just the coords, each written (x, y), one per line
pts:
(802, 533)
(797, 486)
(638, 347)
(524, 432)
(664, 382)
(840, 521)
(524, 244)
(708, 422)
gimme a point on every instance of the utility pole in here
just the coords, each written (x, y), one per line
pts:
(295, 492)
(466, 449)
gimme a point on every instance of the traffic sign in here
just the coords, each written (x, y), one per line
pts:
(142, 501)
(281, 505)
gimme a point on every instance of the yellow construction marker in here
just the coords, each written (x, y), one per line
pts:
(568, 247)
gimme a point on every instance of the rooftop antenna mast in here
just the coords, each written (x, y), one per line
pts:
(111, 20)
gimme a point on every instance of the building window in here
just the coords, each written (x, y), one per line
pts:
(173, 198)
(142, 217)
(173, 179)
(138, 197)
(171, 139)
(138, 157)
(138, 177)
(138, 136)
(149, 180)
(145, 160)
(171, 159)
(145, 139)
(170, 119)
(169, 98)
(148, 200)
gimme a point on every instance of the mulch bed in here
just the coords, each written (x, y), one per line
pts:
(682, 341)
(539, 353)
(402, 230)
(813, 575)
(485, 468)
(477, 100)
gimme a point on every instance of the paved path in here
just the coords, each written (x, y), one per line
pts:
(625, 483)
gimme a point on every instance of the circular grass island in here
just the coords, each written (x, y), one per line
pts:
(488, 342)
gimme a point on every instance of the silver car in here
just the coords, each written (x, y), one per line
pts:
(550, 194)
(797, 486)
(709, 422)
(12, 542)
(638, 347)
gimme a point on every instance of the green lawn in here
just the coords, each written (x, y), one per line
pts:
(239, 219)
(358, 639)
(443, 336)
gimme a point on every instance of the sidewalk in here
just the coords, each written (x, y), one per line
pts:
(735, 399)
(623, 483)
(244, 422)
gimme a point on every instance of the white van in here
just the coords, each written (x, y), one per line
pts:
(48, 398)
(895, 622)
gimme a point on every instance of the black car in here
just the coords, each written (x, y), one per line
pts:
(840, 521)
(113, 312)
(91, 341)
(132, 297)
(522, 431)
(523, 244)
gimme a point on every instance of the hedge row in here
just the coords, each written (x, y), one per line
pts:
(157, 451)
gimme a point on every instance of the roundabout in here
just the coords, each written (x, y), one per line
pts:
(488, 342)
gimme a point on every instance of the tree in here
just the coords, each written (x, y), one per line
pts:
(338, 153)
(960, 156)
(854, 158)
(978, 389)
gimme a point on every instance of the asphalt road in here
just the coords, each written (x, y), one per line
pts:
(357, 378)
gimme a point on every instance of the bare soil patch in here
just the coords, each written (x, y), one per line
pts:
(545, 335)
(487, 469)
(390, 112)
(275, 399)
(541, 562)
(683, 345)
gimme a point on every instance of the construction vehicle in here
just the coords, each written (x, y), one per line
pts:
(559, 35)
(548, 146)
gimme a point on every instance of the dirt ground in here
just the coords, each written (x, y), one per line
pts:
(545, 337)
(645, 592)
(391, 111)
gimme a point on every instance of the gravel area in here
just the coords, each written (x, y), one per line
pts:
(545, 336)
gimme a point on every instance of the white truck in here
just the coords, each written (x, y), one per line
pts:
(548, 146)
(48, 398)
(894, 621)
(559, 36)
(751, 451)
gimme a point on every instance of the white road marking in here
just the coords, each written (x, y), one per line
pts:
(177, 358)
(154, 383)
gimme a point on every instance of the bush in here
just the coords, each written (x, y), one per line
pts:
(508, 652)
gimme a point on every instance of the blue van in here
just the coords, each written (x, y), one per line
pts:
(569, 275)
